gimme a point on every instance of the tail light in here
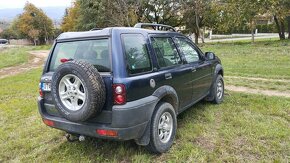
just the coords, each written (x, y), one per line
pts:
(40, 90)
(119, 91)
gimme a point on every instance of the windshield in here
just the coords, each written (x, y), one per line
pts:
(95, 52)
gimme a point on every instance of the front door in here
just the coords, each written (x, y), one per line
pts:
(201, 73)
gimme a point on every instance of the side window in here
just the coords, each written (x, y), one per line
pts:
(166, 52)
(191, 55)
(136, 53)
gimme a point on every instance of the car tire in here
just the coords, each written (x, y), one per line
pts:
(163, 122)
(218, 90)
(78, 90)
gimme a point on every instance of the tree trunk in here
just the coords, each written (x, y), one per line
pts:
(279, 28)
(196, 37)
(253, 35)
(202, 35)
(253, 32)
(197, 31)
(283, 30)
(288, 21)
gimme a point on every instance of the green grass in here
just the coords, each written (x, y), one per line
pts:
(244, 128)
(17, 55)
(267, 59)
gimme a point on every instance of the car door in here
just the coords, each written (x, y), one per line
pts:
(171, 70)
(202, 70)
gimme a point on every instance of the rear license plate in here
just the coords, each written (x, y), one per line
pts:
(46, 86)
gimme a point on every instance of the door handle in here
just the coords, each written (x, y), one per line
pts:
(193, 69)
(168, 76)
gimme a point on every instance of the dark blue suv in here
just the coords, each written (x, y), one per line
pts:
(126, 83)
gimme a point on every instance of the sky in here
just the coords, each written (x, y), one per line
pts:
(38, 3)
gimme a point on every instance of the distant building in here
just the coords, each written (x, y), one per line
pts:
(1, 30)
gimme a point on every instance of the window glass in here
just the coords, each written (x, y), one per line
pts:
(166, 52)
(136, 53)
(95, 52)
(191, 55)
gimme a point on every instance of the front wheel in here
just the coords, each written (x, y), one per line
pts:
(218, 90)
(163, 128)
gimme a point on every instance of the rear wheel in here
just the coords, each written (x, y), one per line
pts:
(163, 128)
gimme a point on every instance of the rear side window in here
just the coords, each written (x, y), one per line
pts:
(95, 52)
(166, 52)
(136, 52)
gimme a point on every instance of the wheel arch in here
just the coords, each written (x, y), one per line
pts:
(167, 94)
(218, 70)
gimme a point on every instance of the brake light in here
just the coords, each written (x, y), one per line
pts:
(63, 60)
(119, 91)
(40, 92)
(111, 133)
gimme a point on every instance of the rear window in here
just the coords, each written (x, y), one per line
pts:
(95, 52)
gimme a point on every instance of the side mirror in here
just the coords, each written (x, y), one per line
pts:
(210, 55)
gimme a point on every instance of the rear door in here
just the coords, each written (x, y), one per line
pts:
(202, 72)
(95, 51)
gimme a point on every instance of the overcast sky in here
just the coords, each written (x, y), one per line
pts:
(37, 3)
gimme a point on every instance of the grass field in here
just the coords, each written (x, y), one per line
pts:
(268, 59)
(17, 55)
(245, 127)
(264, 59)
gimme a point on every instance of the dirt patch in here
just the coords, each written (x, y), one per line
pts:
(36, 60)
(259, 79)
(257, 91)
(205, 143)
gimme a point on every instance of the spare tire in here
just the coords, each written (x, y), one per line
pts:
(78, 90)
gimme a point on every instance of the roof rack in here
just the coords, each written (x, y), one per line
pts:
(158, 27)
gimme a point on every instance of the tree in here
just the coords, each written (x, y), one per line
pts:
(280, 9)
(70, 20)
(197, 14)
(162, 12)
(34, 18)
(238, 13)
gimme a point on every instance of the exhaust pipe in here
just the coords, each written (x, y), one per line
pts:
(73, 138)
(82, 138)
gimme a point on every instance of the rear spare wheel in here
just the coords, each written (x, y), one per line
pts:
(78, 90)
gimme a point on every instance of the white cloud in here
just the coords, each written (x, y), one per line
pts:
(38, 3)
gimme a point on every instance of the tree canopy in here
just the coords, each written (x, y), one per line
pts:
(34, 20)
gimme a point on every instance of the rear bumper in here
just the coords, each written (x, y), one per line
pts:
(129, 120)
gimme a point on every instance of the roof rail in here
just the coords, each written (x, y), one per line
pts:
(158, 27)
(96, 29)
